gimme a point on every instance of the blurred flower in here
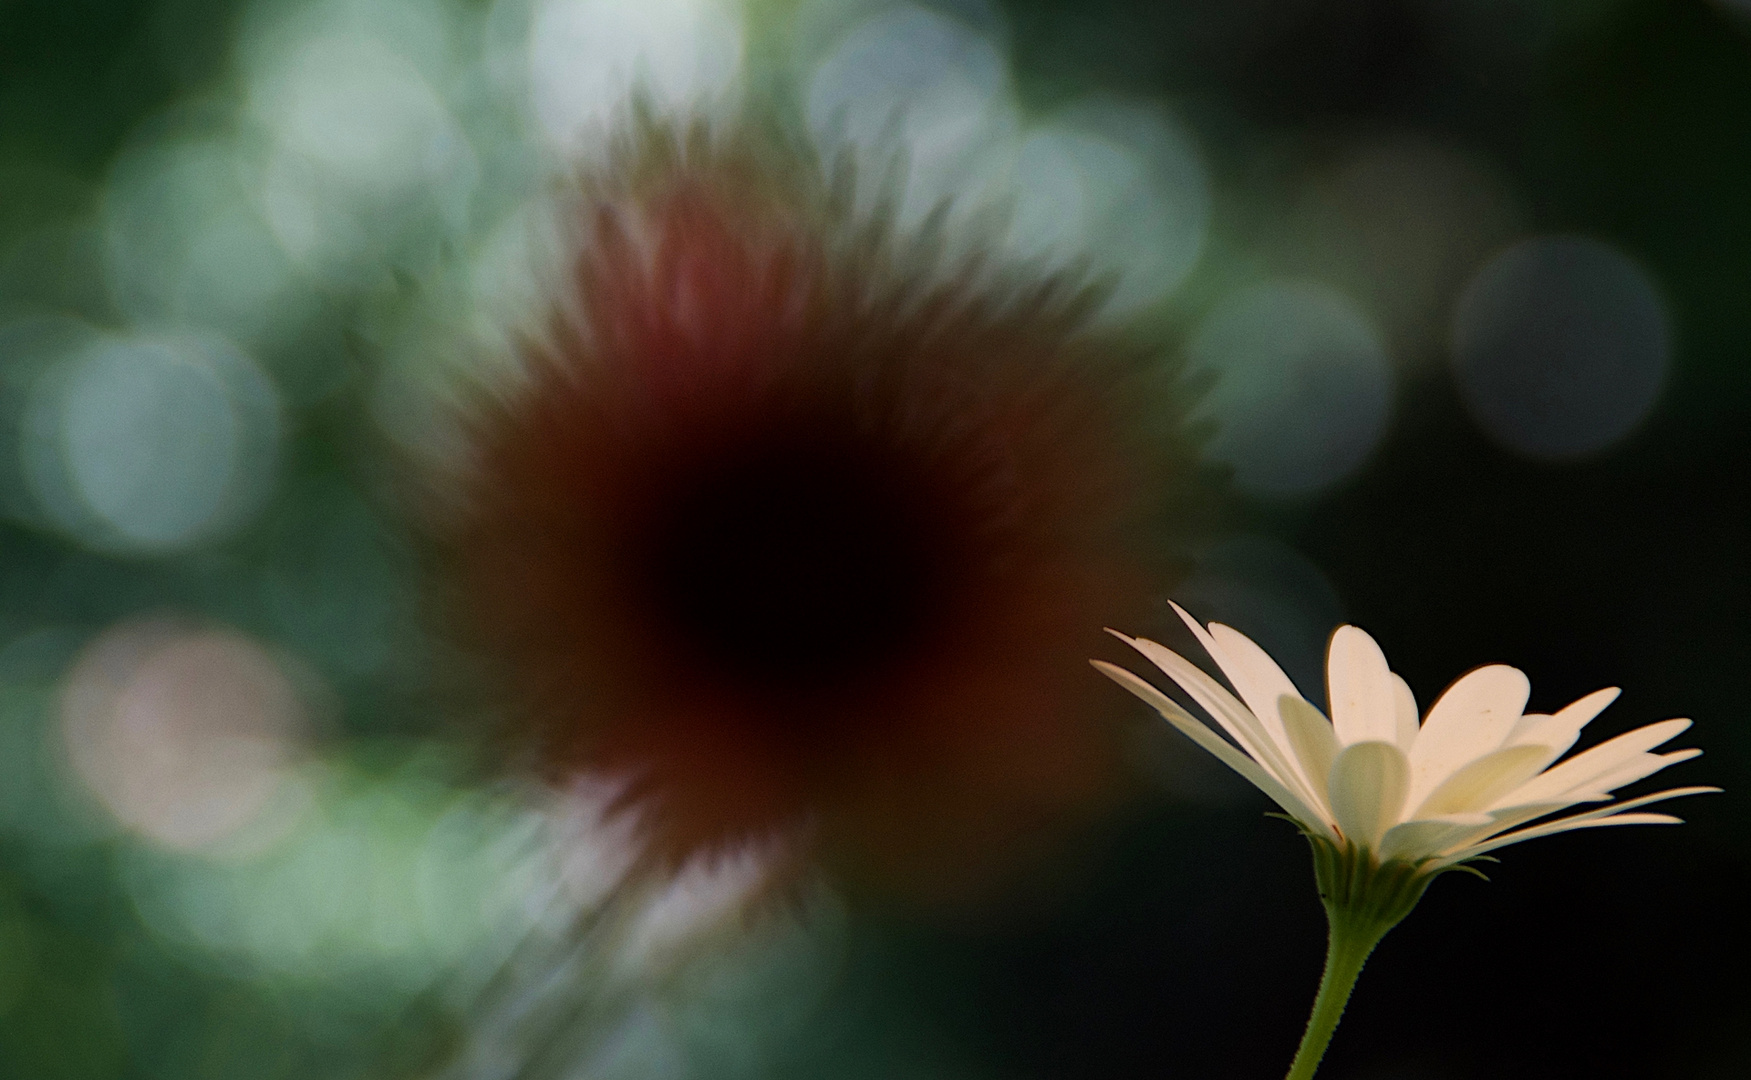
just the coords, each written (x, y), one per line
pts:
(800, 529)
(1387, 803)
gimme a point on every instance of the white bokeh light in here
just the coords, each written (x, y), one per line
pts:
(150, 443)
(588, 59)
(1303, 386)
(186, 241)
(392, 878)
(185, 735)
(1560, 346)
(1119, 184)
(363, 150)
(914, 87)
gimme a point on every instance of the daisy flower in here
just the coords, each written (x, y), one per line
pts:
(1387, 801)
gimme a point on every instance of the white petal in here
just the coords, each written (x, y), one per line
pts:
(1569, 824)
(1553, 734)
(1254, 674)
(1544, 730)
(1582, 771)
(1476, 786)
(1418, 840)
(1644, 800)
(1559, 732)
(1636, 768)
(1313, 741)
(1359, 689)
(1565, 825)
(1367, 790)
(1583, 710)
(1604, 815)
(1291, 804)
(1404, 713)
(1236, 719)
(1508, 817)
(1472, 718)
(1477, 827)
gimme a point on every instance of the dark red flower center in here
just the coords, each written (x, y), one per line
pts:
(799, 561)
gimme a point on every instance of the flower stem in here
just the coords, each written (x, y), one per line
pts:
(1364, 898)
(1347, 950)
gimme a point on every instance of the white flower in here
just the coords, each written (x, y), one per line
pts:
(1372, 779)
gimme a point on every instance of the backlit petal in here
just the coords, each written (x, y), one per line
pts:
(1367, 790)
(1614, 814)
(1359, 689)
(1583, 710)
(1254, 675)
(1507, 817)
(1569, 825)
(1478, 785)
(1236, 719)
(1582, 772)
(1541, 729)
(1510, 816)
(1199, 733)
(1417, 840)
(1561, 731)
(1472, 718)
(1636, 768)
(1404, 713)
(1312, 740)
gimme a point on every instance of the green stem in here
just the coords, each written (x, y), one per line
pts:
(1364, 898)
(1347, 950)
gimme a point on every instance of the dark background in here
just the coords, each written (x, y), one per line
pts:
(1191, 941)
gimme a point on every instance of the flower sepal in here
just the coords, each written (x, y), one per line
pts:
(1362, 892)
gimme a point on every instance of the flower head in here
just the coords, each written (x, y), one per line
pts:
(1477, 773)
(781, 504)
